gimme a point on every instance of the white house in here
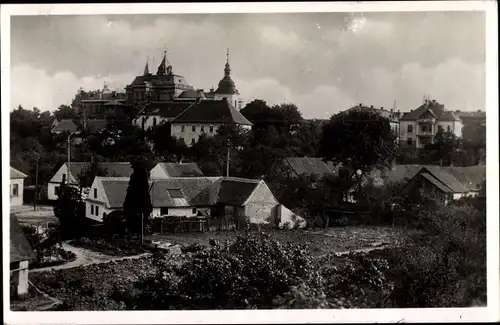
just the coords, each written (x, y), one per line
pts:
(169, 170)
(190, 196)
(156, 113)
(419, 127)
(121, 169)
(205, 117)
(16, 187)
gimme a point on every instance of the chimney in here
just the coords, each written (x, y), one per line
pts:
(371, 106)
(479, 111)
(382, 108)
(434, 101)
(392, 110)
(360, 105)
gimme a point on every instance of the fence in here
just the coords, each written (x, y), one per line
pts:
(172, 224)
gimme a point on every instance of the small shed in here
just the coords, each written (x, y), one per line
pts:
(21, 254)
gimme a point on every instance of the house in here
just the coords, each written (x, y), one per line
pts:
(391, 115)
(190, 196)
(205, 117)
(170, 170)
(310, 166)
(122, 169)
(99, 103)
(448, 183)
(91, 126)
(16, 187)
(66, 125)
(21, 254)
(155, 113)
(419, 127)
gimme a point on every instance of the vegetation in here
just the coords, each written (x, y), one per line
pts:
(69, 208)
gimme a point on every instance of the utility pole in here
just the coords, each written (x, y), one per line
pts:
(227, 158)
(69, 157)
(36, 183)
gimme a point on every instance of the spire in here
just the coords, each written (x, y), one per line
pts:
(162, 68)
(146, 68)
(227, 69)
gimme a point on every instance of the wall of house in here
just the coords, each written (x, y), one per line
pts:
(261, 205)
(91, 212)
(189, 135)
(455, 127)
(288, 219)
(404, 134)
(18, 198)
(180, 212)
(234, 99)
(158, 173)
(149, 121)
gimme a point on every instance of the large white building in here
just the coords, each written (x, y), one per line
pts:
(419, 126)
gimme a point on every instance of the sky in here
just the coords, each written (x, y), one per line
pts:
(322, 62)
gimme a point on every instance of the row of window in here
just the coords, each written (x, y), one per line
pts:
(94, 210)
(202, 128)
(440, 128)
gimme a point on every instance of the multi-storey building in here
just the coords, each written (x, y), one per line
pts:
(98, 104)
(391, 115)
(419, 126)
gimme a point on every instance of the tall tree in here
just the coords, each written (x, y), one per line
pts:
(359, 140)
(137, 206)
(443, 150)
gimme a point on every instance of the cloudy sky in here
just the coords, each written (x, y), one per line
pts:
(322, 62)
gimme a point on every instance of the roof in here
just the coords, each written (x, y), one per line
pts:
(436, 183)
(380, 111)
(311, 166)
(14, 173)
(20, 248)
(117, 169)
(170, 109)
(96, 125)
(434, 107)
(113, 102)
(162, 80)
(398, 173)
(66, 125)
(212, 111)
(184, 191)
(471, 115)
(181, 170)
(191, 93)
(458, 179)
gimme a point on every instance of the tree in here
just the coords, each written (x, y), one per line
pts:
(444, 148)
(70, 210)
(359, 140)
(137, 206)
(65, 112)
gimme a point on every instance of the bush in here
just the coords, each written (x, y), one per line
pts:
(193, 248)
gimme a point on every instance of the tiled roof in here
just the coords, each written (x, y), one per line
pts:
(191, 93)
(162, 80)
(459, 179)
(196, 191)
(436, 108)
(115, 169)
(170, 109)
(181, 170)
(14, 173)
(399, 173)
(96, 125)
(311, 166)
(212, 111)
(20, 248)
(66, 125)
(436, 183)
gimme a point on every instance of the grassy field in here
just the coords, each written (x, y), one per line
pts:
(320, 241)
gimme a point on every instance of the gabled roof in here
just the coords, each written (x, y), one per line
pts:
(170, 109)
(311, 166)
(20, 248)
(436, 183)
(115, 169)
(212, 111)
(399, 173)
(14, 173)
(66, 125)
(437, 109)
(181, 170)
(196, 191)
(458, 179)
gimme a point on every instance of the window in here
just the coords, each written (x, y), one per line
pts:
(15, 189)
(211, 128)
(95, 193)
(154, 121)
(193, 128)
(92, 209)
(104, 215)
(182, 128)
(97, 210)
(410, 128)
(143, 122)
(56, 190)
(192, 141)
(410, 141)
(202, 129)
(164, 211)
(194, 211)
(448, 128)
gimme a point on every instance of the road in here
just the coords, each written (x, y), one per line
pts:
(86, 257)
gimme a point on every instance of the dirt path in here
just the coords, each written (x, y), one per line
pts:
(86, 257)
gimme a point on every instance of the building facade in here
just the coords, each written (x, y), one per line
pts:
(419, 126)
(16, 187)
(99, 104)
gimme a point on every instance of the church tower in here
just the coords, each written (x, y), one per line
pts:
(227, 88)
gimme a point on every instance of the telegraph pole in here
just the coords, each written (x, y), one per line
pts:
(227, 158)
(36, 183)
(69, 157)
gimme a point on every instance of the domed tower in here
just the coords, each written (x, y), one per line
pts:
(227, 88)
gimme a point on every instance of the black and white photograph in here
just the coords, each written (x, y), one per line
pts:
(212, 157)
